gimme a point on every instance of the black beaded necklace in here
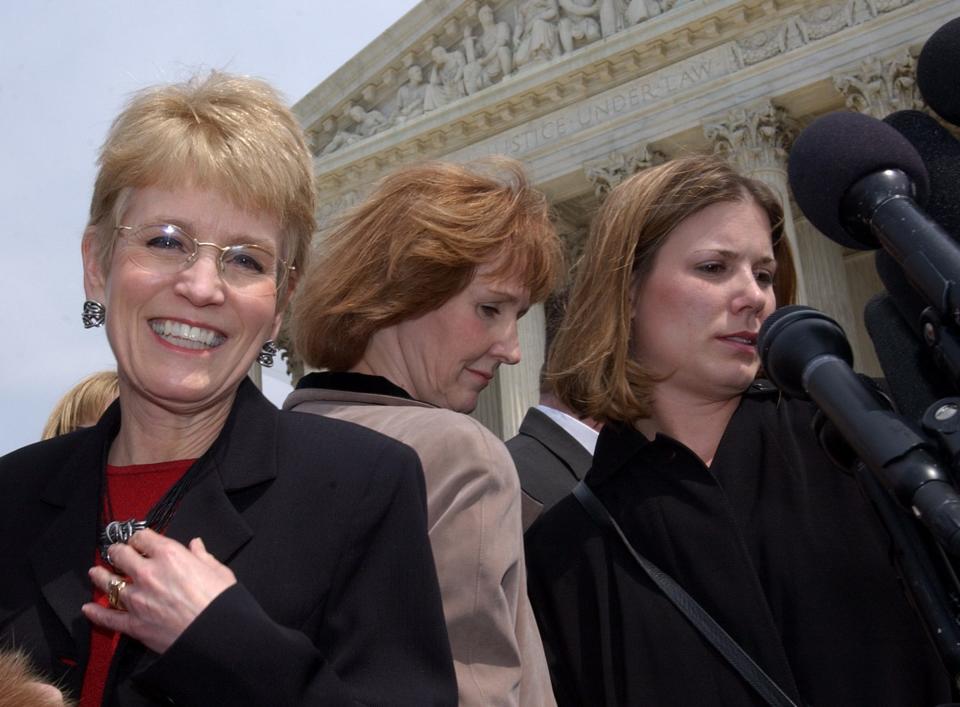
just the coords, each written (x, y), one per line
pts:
(158, 517)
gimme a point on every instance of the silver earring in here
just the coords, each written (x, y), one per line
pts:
(94, 314)
(267, 352)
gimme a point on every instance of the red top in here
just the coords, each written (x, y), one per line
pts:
(133, 491)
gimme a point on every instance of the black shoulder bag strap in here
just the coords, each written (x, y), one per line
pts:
(696, 614)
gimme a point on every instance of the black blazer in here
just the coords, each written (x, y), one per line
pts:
(323, 523)
(549, 461)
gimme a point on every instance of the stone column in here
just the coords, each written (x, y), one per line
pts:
(503, 404)
(489, 410)
(520, 384)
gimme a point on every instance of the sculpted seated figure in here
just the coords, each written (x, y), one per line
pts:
(410, 96)
(446, 79)
(578, 23)
(493, 58)
(535, 35)
(368, 122)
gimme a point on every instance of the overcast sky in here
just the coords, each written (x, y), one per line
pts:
(66, 69)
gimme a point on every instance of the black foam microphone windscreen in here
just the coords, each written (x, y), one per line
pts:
(940, 153)
(938, 71)
(833, 153)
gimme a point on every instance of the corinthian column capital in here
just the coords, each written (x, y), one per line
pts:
(881, 85)
(753, 137)
(606, 173)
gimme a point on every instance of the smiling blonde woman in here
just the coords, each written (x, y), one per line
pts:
(240, 556)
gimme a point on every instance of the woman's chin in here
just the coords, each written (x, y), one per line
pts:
(194, 391)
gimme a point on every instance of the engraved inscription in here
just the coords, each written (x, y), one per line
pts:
(611, 105)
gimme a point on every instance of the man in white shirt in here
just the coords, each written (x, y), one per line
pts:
(553, 450)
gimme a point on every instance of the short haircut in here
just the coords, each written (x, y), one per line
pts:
(590, 367)
(83, 404)
(232, 134)
(414, 243)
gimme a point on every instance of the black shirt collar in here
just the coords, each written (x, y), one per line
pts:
(353, 383)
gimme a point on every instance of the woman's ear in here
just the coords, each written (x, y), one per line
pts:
(289, 287)
(94, 277)
(277, 323)
(283, 302)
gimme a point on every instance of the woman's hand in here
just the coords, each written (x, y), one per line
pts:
(167, 586)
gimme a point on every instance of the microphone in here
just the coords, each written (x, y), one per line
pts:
(806, 354)
(835, 153)
(863, 197)
(937, 76)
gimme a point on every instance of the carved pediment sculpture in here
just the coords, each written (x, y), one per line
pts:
(366, 123)
(410, 96)
(535, 34)
(489, 55)
(542, 30)
(446, 79)
(813, 24)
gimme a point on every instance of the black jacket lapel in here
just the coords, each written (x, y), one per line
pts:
(557, 441)
(67, 547)
(242, 457)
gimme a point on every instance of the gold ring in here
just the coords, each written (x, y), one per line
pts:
(116, 586)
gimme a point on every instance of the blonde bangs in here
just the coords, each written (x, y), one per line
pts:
(225, 133)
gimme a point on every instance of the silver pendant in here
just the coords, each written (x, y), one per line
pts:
(118, 531)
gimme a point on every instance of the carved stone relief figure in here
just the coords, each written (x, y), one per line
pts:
(640, 10)
(578, 23)
(489, 56)
(585, 21)
(535, 36)
(367, 123)
(410, 96)
(811, 25)
(611, 16)
(446, 79)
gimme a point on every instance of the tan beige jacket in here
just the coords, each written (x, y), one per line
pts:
(473, 505)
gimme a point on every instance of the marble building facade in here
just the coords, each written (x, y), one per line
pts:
(587, 92)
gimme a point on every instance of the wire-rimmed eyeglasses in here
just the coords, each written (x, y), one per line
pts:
(167, 248)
